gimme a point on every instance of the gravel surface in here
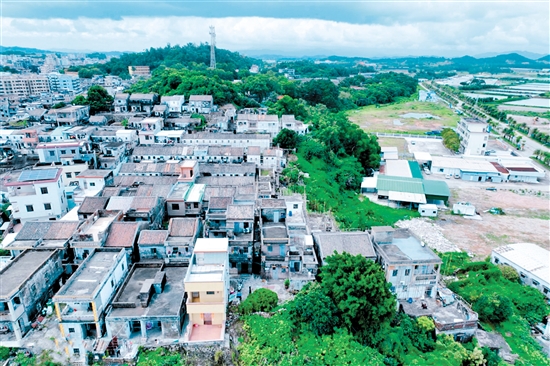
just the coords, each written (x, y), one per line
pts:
(431, 234)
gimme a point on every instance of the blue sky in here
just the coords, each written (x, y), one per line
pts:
(352, 28)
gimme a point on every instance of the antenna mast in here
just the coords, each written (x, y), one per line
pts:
(212, 47)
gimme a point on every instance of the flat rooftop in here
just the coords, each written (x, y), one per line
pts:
(456, 312)
(405, 248)
(531, 257)
(350, 242)
(168, 303)
(205, 273)
(21, 269)
(273, 230)
(91, 274)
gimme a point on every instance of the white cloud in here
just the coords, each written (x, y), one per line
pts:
(496, 30)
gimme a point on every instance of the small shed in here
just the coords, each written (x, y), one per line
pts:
(464, 208)
(427, 210)
(369, 184)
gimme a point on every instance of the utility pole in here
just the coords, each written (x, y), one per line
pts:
(212, 47)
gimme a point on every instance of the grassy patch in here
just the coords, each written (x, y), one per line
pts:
(381, 119)
(160, 356)
(324, 195)
(501, 239)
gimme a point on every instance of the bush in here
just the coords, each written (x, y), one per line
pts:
(260, 300)
(509, 273)
(4, 353)
(493, 308)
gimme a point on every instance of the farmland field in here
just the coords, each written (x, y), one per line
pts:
(426, 116)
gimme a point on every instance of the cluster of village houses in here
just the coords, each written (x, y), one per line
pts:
(129, 232)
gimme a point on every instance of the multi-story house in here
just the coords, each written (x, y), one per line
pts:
(28, 282)
(121, 102)
(474, 135)
(81, 304)
(112, 155)
(207, 287)
(240, 232)
(290, 122)
(258, 123)
(72, 115)
(150, 305)
(175, 103)
(147, 128)
(161, 111)
(411, 267)
(65, 152)
(37, 194)
(93, 232)
(95, 179)
(200, 104)
(142, 102)
(229, 139)
(275, 240)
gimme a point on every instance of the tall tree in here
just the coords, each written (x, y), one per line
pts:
(360, 292)
(99, 99)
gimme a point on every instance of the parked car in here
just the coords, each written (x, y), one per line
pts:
(448, 176)
(491, 189)
(457, 176)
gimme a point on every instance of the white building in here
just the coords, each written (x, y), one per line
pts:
(531, 261)
(37, 195)
(63, 82)
(81, 304)
(200, 104)
(473, 134)
(258, 123)
(175, 103)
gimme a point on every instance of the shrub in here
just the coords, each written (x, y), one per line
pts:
(493, 308)
(4, 353)
(260, 300)
(509, 273)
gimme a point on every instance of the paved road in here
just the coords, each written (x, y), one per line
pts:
(530, 144)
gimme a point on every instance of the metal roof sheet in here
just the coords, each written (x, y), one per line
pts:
(399, 184)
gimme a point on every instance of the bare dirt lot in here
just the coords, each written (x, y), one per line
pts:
(390, 118)
(526, 219)
(543, 124)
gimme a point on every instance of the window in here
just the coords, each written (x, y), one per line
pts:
(269, 248)
(407, 272)
(394, 273)
(123, 266)
(194, 294)
(92, 184)
(496, 261)
(71, 330)
(295, 206)
(68, 175)
(52, 153)
(545, 290)
(153, 250)
(112, 283)
(63, 152)
(210, 293)
(30, 208)
(536, 283)
(44, 190)
(73, 151)
(47, 206)
(76, 351)
(175, 206)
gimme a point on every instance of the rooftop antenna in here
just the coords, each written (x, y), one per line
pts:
(212, 47)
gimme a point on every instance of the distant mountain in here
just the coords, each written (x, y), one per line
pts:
(545, 59)
(530, 55)
(15, 49)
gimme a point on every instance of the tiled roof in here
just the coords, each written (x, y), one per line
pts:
(47, 230)
(240, 212)
(152, 237)
(122, 234)
(144, 203)
(91, 204)
(220, 202)
(183, 226)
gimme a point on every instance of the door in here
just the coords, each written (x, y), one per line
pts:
(276, 215)
(244, 267)
(275, 273)
(207, 318)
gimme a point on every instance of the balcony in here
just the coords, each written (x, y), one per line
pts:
(426, 277)
(73, 314)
